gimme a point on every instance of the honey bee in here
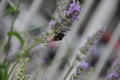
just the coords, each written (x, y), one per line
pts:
(58, 36)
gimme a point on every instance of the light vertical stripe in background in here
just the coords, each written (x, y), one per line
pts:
(106, 53)
(3, 5)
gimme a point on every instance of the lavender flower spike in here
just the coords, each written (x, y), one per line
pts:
(82, 68)
(62, 24)
(74, 9)
(113, 76)
(115, 73)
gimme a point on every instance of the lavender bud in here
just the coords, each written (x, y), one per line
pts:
(51, 23)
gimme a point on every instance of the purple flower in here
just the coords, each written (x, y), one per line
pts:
(63, 23)
(74, 7)
(74, 18)
(93, 51)
(10, 55)
(82, 67)
(84, 64)
(114, 63)
(103, 29)
(51, 23)
(113, 76)
(74, 10)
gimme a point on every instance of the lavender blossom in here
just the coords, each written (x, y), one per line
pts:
(74, 10)
(92, 40)
(115, 72)
(62, 25)
(82, 68)
(113, 76)
(52, 23)
(93, 51)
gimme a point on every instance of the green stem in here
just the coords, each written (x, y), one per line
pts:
(9, 37)
(12, 25)
(27, 50)
(68, 52)
(13, 68)
(70, 69)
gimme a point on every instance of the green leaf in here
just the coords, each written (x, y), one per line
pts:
(16, 34)
(3, 70)
(11, 9)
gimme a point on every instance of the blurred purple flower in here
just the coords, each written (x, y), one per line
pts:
(113, 76)
(103, 29)
(80, 70)
(74, 7)
(84, 64)
(93, 51)
(42, 60)
(63, 23)
(74, 10)
(74, 17)
(51, 23)
(114, 63)
(10, 55)
(82, 67)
